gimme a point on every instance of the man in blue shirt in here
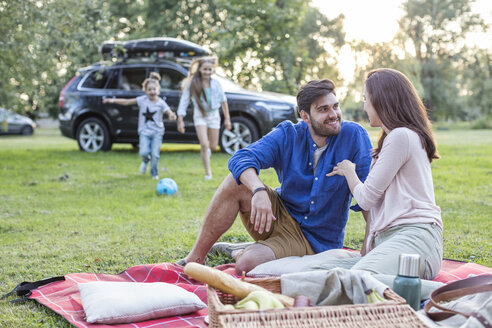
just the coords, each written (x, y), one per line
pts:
(307, 214)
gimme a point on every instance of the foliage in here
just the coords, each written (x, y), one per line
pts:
(287, 46)
(452, 79)
(437, 30)
(478, 84)
(270, 45)
(273, 45)
(482, 123)
(44, 43)
(371, 56)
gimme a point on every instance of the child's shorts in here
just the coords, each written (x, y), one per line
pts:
(212, 120)
(285, 237)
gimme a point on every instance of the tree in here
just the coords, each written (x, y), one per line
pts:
(371, 56)
(478, 83)
(45, 41)
(272, 45)
(437, 30)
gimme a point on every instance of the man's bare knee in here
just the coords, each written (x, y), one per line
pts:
(229, 189)
(253, 256)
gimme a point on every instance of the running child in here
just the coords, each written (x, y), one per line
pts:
(150, 125)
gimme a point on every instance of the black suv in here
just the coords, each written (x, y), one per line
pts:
(96, 126)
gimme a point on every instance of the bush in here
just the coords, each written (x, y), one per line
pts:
(482, 124)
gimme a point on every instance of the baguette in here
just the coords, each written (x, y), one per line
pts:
(228, 284)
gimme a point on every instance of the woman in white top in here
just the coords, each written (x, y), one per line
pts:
(207, 96)
(398, 192)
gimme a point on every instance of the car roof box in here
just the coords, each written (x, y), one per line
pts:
(162, 47)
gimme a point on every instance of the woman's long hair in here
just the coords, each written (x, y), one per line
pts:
(195, 80)
(397, 104)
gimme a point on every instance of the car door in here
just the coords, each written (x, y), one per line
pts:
(15, 122)
(4, 124)
(126, 82)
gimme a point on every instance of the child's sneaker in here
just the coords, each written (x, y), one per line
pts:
(207, 177)
(143, 167)
(155, 177)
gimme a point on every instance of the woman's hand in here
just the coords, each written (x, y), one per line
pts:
(181, 126)
(346, 169)
(343, 168)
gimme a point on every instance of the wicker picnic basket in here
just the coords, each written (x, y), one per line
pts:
(394, 313)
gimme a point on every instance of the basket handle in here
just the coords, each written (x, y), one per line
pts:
(455, 290)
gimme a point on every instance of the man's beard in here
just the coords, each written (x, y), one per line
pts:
(325, 131)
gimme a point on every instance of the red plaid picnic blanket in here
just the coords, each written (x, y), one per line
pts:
(63, 296)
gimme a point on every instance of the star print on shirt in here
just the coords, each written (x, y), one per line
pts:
(149, 116)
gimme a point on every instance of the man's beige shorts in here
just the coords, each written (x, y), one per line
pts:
(285, 237)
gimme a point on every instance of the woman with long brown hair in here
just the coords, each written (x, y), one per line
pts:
(398, 192)
(207, 96)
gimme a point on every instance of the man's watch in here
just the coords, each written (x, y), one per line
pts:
(258, 189)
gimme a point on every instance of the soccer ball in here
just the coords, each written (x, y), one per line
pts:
(166, 186)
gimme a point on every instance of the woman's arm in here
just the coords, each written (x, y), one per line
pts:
(120, 101)
(184, 101)
(394, 154)
(227, 117)
(181, 125)
(367, 218)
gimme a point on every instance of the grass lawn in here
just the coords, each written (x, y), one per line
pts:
(64, 211)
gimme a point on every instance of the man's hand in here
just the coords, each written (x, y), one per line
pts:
(261, 212)
(181, 125)
(343, 168)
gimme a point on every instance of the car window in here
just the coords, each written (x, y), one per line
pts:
(96, 79)
(170, 79)
(132, 78)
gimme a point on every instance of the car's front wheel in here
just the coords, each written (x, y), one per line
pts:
(27, 130)
(93, 135)
(243, 133)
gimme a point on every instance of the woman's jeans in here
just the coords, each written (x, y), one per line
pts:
(150, 149)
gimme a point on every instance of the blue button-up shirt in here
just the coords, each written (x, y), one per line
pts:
(318, 203)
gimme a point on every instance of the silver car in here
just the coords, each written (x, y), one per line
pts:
(12, 123)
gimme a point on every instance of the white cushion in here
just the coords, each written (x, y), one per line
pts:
(293, 264)
(123, 302)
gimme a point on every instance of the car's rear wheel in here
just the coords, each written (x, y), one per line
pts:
(27, 130)
(93, 135)
(243, 133)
